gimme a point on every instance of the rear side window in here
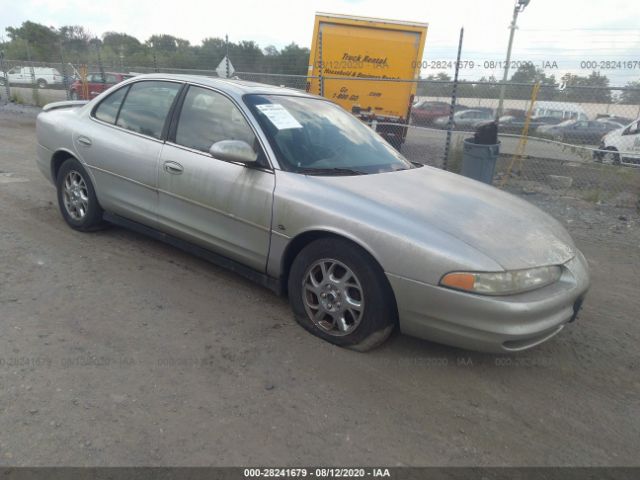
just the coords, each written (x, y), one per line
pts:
(208, 117)
(146, 107)
(107, 111)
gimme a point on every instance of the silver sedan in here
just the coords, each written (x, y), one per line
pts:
(295, 193)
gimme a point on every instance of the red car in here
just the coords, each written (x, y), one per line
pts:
(425, 112)
(96, 84)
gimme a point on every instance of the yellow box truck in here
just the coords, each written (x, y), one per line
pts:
(367, 65)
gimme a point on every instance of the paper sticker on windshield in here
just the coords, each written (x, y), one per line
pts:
(279, 116)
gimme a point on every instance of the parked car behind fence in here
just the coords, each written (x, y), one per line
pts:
(41, 76)
(579, 131)
(97, 82)
(466, 118)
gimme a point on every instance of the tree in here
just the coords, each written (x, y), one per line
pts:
(438, 85)
(41, 41)
(591, 89)
(74, 42)
(121, 42)
(293, 60)
(271, 51)
(632, 95)
(528, 74)
(485, 88)
(211, 52)
(246, 56)
(166, 43)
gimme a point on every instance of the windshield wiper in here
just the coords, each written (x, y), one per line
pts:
(330, 171)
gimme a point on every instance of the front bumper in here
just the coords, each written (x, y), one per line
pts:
(499, 324)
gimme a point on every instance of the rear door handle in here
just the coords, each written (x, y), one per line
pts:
(173, 167)
(86, 141)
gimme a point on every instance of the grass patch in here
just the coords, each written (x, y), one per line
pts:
(17, 99)
(594, 195)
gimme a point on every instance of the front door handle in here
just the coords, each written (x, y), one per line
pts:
(173, 167)
(86, 141)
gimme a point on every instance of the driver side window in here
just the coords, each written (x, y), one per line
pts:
(208, 117)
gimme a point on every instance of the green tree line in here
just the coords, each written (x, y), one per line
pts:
(73, 43)
(592, 88)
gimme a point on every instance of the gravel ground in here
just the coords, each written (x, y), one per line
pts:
(118, 350)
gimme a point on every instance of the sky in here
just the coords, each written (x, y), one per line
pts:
(557, 35)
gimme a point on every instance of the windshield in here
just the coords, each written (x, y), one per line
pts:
(314, 136)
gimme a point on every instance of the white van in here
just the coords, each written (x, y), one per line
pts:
(43, 76)
(561, 110)
(624, 145)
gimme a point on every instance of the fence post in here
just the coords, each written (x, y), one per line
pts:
(65, 82)
(155, 60)
(34, 86)
(3, 68)
(100, 65)
(226, 43)
(320, 66)
(447, 146)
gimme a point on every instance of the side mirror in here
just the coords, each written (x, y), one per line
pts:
(233, 151)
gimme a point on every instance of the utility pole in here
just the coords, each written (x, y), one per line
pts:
(226, 42)
(452, 107)
(519, 7)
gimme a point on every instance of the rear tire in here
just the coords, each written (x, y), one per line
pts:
(74, 95)
(614, 156)
(77, 198)
(338, 292)
(611, 155)
(42, 83)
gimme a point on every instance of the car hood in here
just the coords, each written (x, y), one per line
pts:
(511, 231)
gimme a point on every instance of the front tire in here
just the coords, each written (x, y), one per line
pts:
(339, 293)
(614, 156)
(74, 95)
(77, 198)
(42, 83)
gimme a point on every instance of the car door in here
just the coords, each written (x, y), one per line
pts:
(17, 75)
(597, 131)
(629, 141)
(223, 206)
(121, 145)
(575, 132)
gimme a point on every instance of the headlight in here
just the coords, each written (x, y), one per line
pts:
(502, 283)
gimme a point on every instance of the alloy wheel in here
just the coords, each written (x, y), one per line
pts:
(333, 297)
(75, 195)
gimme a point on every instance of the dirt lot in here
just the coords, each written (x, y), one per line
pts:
(118, 350)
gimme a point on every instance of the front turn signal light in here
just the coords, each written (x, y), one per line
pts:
(459, 281)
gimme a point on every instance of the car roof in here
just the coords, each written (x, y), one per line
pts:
(234, 87)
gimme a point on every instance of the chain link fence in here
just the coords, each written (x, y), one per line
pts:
(555, 156)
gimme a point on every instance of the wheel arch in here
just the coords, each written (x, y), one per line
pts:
(300, 241)
(57, 159)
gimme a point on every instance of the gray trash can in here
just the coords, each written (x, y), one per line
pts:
(479, 161)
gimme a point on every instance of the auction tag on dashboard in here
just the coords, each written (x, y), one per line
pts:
(279, 116)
